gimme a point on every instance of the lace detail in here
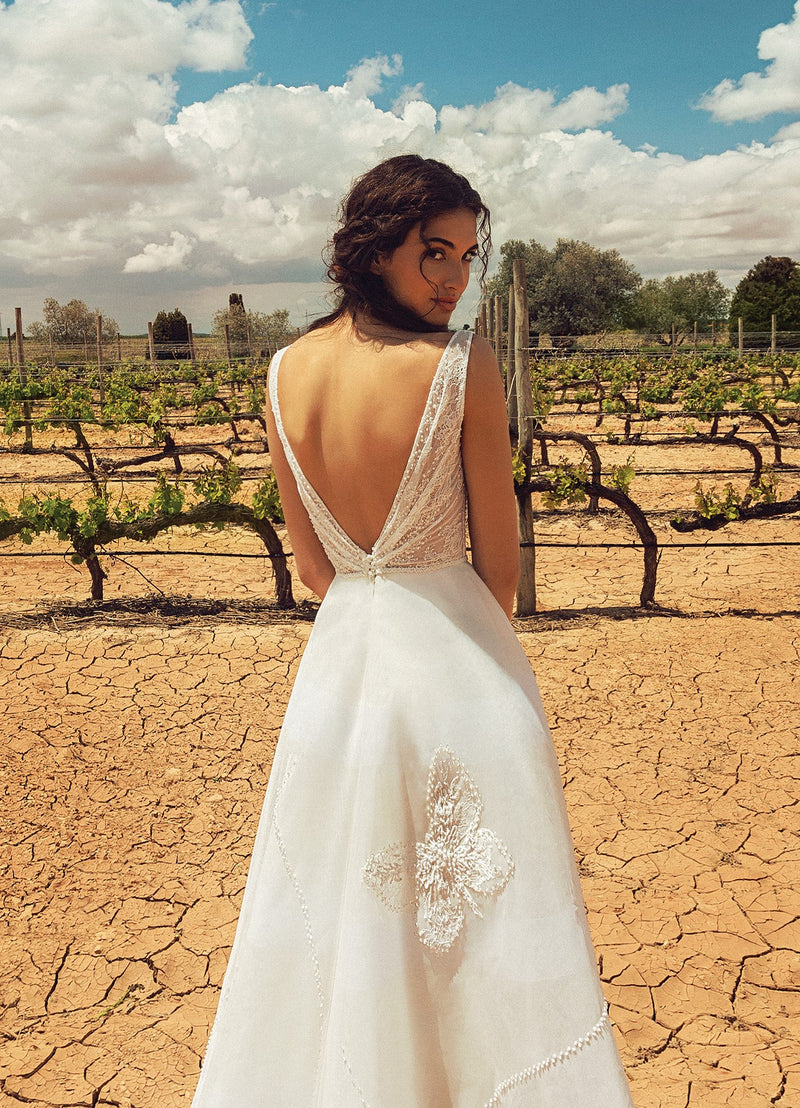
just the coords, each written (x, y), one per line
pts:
(602, 1027)
(458, 860)
(426, 524)
(301, 899)
(356, 1087)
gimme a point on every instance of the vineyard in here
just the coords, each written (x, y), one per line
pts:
(116, 475)
(677, 446)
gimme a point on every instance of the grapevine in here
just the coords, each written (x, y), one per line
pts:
(715, 400)
(159, 406)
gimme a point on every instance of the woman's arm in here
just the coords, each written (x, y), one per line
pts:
(313, 565)
(486, 452)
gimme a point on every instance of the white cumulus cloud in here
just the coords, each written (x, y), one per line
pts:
(105, 186)
(86, 90)
(158, 256)
(366, 78)
(776, 89)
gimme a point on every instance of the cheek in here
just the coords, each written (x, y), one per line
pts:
(408, 279)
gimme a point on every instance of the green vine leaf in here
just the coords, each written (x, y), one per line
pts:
(518, 468)
(218, 483)
(568, 485)
(713, 505)
(621, 476)
(168, 497)
(266, 500)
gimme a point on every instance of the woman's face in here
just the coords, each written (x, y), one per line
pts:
(428, 275)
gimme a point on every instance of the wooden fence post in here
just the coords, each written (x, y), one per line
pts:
(192, 351)
(511, 377)
(100, 358)
(695, 336)
(741, 339)
(10, 347)
(526, 590)
(773, 346)
(498, 330)
(152, 345)
(23, 380)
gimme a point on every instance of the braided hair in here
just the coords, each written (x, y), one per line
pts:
(375, 217)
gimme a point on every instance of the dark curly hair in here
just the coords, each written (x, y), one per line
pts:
(381, 208)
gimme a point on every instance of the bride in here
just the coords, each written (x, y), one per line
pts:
(412, 933)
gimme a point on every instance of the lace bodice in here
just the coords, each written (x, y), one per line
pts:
(425, 527)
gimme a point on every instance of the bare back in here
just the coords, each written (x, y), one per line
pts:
(351, 412)
(351, 406)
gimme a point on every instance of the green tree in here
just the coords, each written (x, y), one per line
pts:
(647, 310)
(71, 322)
(573, 289)
(264, 329)
(535, 257)
(771, 286)
(171, 335)
(699, 298)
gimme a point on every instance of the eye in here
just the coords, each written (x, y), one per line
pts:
(435, 254)
(471, 256)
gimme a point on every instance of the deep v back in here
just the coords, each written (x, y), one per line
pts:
(425, 525)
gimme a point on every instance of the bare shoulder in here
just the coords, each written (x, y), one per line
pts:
(483, 373)
(309, 347)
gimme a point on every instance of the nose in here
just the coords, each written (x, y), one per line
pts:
(456, 276)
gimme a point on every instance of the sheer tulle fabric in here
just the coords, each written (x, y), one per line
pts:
(412, 934)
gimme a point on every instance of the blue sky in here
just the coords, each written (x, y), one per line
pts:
(163, 153)
(669, 54)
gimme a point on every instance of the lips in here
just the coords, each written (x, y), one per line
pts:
(448, 305)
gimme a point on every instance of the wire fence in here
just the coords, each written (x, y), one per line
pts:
(659, 345)
(208, 349)
(136, 349)
(538, 544)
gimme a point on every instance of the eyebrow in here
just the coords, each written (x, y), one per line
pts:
(446, 242)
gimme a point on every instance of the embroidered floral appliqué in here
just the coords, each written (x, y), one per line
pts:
(458, 860)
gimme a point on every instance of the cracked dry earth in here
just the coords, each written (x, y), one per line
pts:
(136, 759)
(135, 754)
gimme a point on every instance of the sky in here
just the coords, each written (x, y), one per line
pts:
(162, 153)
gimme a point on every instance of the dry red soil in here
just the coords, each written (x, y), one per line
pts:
(136, 748)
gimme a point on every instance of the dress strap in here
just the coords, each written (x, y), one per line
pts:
(274, 366)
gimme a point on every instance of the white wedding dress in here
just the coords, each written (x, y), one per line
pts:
(412, 933)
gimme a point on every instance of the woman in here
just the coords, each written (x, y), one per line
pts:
(412, 933)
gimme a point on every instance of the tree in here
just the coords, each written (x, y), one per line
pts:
(771, 286)
(573, 289)
(532, 253)
(235, 317)
(271, 329)
(170, 327)
(699, 298)
(647, 310)
(72, 322)
(171, 335)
